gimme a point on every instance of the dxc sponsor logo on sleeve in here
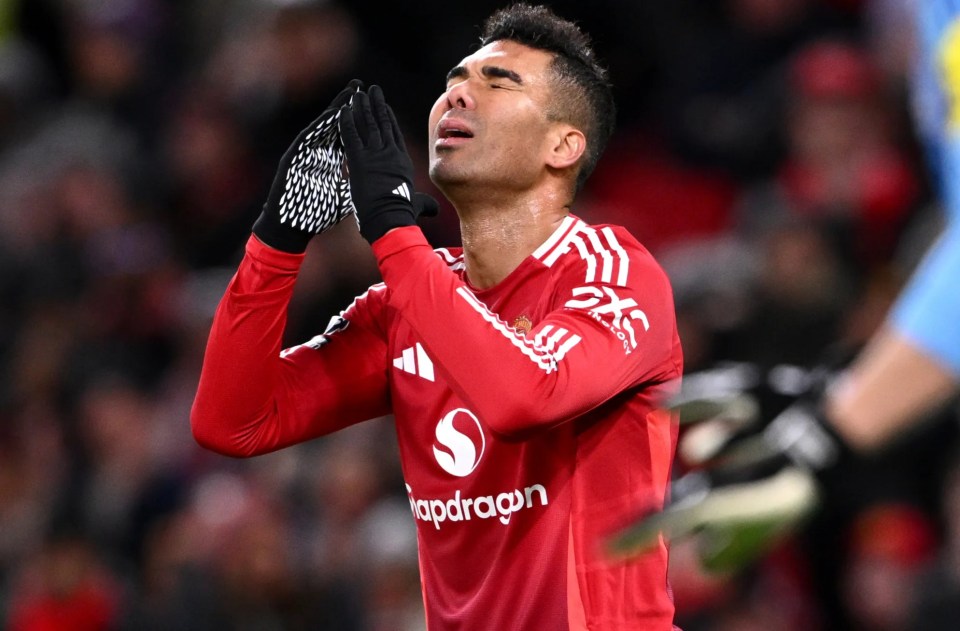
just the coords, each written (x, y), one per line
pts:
(616, 313)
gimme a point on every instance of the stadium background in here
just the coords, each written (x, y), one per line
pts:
(765, 154)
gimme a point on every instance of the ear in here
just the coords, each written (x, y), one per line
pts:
(567, 144)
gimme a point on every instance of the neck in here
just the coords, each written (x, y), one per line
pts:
(497, 238)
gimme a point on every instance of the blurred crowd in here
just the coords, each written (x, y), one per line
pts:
(765, 155)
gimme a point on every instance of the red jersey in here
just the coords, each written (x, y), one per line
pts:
(526, 414)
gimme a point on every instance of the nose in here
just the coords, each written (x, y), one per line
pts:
(460, 96)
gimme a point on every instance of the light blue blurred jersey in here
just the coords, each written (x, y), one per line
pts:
(928, 311)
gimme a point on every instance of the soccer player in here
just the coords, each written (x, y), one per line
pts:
(908, 370)
(524, 372)
(912, 366)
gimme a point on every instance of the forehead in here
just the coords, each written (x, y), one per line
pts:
(530, 63)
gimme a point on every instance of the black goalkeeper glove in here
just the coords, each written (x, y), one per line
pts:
(381, 172)
(749, 483)
(310, 192)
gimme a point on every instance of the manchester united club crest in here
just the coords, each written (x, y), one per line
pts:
(522, 325)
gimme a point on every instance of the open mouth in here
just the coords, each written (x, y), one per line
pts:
(450, 129)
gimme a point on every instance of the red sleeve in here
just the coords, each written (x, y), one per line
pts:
(601, 340)
(252, 398)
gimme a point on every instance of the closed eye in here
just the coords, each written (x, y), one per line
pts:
(496, 72)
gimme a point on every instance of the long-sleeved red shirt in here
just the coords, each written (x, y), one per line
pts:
(527, 414)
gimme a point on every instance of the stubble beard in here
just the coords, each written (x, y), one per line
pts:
(449, 176)
(462, 176)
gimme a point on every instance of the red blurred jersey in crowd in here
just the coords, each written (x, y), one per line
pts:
(526, 414)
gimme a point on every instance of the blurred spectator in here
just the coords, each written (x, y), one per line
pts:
(725, 61)
(25, 88)
(64, 588)
(176, 590)
(818, 232)
(889, 545)
(662, 200)
(843, 171)
(281, 63)
(935, 602)
(214, 181)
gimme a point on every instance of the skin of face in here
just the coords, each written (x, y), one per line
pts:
(490, 125)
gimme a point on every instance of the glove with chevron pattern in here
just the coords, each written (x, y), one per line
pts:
(750, 480)
(310, 192)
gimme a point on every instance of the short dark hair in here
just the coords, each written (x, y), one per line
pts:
(582, 91)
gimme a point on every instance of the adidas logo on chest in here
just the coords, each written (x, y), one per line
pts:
(415, 361)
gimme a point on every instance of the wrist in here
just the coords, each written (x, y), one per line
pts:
(375, 225)
(273, 234)
(261, 250)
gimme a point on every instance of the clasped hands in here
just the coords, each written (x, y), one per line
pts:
(351, 158)
(379, 167)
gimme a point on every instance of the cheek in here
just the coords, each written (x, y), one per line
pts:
(439, 107)
(523, 135)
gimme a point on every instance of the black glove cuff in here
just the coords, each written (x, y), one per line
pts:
(278, 236)
(376, 225)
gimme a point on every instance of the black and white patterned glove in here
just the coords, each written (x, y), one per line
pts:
(310, 192)
(381, 172)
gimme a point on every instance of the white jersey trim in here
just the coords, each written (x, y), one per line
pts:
(455, 263)
(552, 240)
(607, 261)
(540, 350)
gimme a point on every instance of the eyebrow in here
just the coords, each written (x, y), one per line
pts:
(497, 72)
